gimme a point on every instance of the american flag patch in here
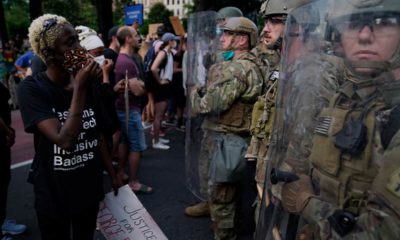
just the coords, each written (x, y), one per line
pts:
(323, 125)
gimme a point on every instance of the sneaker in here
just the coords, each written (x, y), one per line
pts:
(181, 128)
(160, 145)
(162, 133)
(163, 140)
(199, 210)
(147, 125)
(11, 227)
(170, 122)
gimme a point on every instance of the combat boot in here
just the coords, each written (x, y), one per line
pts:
(199, 210)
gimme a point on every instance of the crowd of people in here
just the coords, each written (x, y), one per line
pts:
(299, 121)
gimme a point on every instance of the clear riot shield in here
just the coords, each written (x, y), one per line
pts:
(202, 49)
(337, 123)
(307, 80)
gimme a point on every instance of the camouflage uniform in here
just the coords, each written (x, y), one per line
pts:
(263, 110)
(232, 88)
(345, 180)
(354, 150)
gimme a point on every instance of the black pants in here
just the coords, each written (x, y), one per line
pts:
(5, 177)
(79, 226)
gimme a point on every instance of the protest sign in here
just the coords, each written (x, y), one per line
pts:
(123, 217)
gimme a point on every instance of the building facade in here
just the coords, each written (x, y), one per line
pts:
(176, 6)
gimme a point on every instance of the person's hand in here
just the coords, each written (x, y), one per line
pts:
(164, 82)
(116, 183)
(119, 86)
(10, 137)
(87, 74)
(136, 86)
(107, 65)
(295, 195)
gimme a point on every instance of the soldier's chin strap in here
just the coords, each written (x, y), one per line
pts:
(367, 78)
(376, 69)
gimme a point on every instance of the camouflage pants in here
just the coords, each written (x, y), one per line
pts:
(258, 149)
(206, 150)
(223, 209)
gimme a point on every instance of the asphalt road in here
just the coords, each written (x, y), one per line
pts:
(163, 170)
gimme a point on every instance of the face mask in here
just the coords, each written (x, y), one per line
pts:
(174, 45)
(228, 55)
(100, 60)
(75, 59)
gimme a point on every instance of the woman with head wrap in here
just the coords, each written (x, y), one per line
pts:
(59, 108)
(89, 40)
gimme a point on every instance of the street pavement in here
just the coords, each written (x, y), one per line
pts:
(163, 170)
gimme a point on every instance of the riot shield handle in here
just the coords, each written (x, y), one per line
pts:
(282, 176)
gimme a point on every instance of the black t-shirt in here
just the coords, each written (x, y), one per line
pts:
(111, 54)
(64, 182)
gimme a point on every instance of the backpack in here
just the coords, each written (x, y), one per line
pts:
(149, 59)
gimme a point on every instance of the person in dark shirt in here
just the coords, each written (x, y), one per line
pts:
(7, 139)
(59, 107)
(112, 51)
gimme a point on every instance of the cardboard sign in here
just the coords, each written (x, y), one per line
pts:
(123, 217)
(177, 25)
(153, 29)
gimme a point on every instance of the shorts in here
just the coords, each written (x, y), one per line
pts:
(135, 136)
(162, 93)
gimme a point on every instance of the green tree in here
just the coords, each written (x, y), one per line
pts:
(17, 21)
(3, 25)
(160, 14)
(78, 12)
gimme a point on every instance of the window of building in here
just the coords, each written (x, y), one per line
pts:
(173, 2)
(177, 12)
(178, 2)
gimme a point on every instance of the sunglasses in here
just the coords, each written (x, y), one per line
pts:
(380, 24)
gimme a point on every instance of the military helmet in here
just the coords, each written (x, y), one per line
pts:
(274, 7)
(346, 12)
(348, 7)
(241, 25)
(228, 12)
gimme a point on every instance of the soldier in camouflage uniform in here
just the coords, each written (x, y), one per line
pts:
(232, 88)
(268, 56)
(352, 191)
(202, 208)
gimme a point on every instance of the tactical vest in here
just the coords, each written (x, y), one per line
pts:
(344, 176)
(264, 109)
(263, 113)
(236, 119)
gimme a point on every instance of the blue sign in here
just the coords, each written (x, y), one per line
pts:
(134, 13)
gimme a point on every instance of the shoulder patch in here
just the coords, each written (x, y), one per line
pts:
(393, 184)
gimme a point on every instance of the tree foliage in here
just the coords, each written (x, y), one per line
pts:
(78, 12)
(158, 13)
(16, 16)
